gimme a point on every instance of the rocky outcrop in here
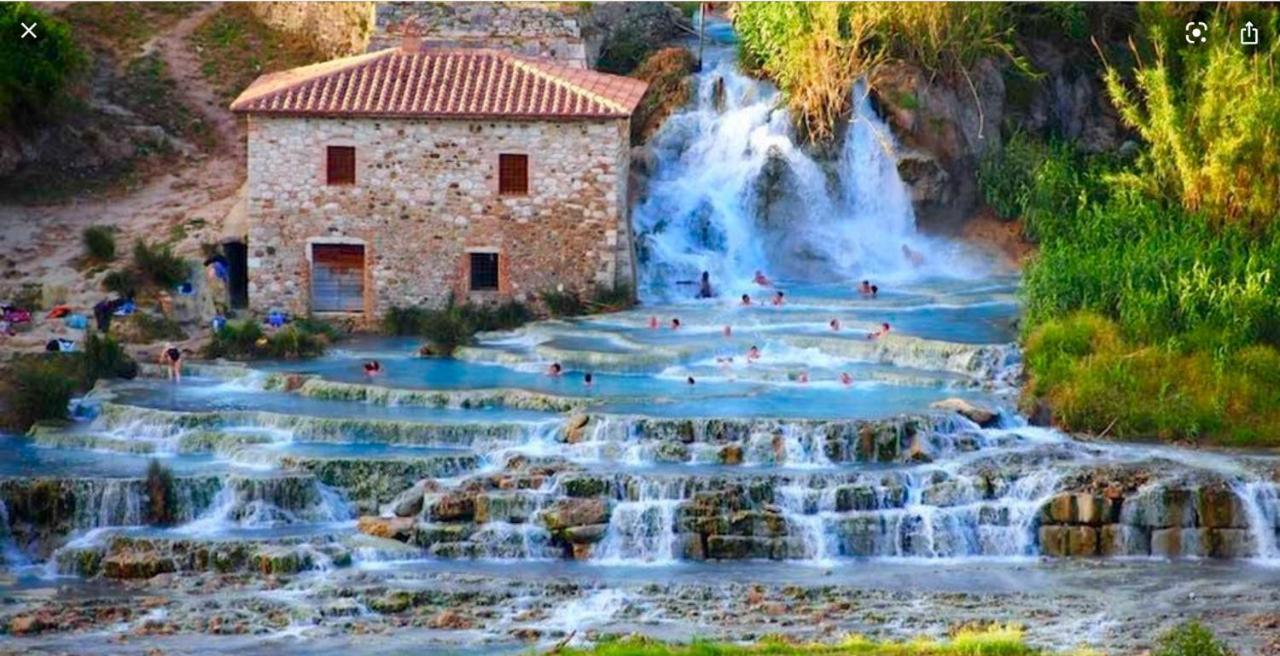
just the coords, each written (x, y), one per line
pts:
(370, 482)
(1169, 520)
(122, 557)
(983, 417)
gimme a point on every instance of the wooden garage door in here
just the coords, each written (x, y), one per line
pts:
(337, 278)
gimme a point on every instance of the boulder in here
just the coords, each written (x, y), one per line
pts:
(575, 428)
(409, 502)
(1123, 540)
(568, 513)
(731, 454)
(1230, 543)
(1219, 507)
(452, 507)
(397, 528)
(136, 565)
(589, 534)
(671, 452)
(1068, 541)
(981, 416)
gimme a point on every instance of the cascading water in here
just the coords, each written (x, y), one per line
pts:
(731, 192)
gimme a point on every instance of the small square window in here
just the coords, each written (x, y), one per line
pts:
(513, 174)
(484, 272)
(340, 165)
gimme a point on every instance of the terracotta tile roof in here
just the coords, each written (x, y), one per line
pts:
(442, 83)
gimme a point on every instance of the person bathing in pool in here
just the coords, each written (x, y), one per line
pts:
(704, 286)
(372, 368)
(172, 357)
(884, 330)
(746, 299)
(762, 280)
(865, 288)
(753, 353)
(675, 323)
(588, 379)
(555, 370)
(845, 378)
(834, 324)
(777, 298)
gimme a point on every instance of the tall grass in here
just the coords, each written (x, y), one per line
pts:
(815, 51)
(993, 641)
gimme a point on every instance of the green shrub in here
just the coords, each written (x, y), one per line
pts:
(503, 316)
(161, 501)
(34, 75)
(41, 389)
(404, 321)
(99, 243)
(445, 330)
(103, 357)
(146, 328)
(245, 340)
(121, 281)
(623, 52)
(563, 303)
(453, 326)
(611, 299)
(1191, 639)
(158, 265)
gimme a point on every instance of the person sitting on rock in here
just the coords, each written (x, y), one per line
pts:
(555, 370)
(884, 330)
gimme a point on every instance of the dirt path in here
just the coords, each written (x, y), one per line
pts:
(40, 243)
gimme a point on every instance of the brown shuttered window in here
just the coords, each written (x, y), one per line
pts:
(513, 174)
(484, 272)
(337, 278)
(340, 166)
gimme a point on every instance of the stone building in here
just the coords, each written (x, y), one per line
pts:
(408, 175)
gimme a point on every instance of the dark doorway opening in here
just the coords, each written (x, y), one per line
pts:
(237, 253)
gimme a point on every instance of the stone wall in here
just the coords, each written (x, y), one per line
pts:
(426, 193)
(531, 29)
(336, 29)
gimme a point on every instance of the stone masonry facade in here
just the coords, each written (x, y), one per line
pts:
(426, 195)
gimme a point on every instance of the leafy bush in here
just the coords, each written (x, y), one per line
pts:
(103, 357)
(611, 299)
(1191, 639)
(623, 52)
(145, 328)
(161, 501)
(245, 340)
(121, 281)
(41, 389)
(453, 326)
(1200, 111)
(158, 265)
(34, 75)
(815, 51)
(446, 330)
(99, 243)
(404, 321)
(503, 316)
(563, 303)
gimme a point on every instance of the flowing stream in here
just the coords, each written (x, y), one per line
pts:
(518, 506)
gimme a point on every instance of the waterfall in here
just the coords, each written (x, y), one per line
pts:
(1261, 502)
(731, 191)
(642, 529)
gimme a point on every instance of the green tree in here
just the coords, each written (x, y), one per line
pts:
(34, 73)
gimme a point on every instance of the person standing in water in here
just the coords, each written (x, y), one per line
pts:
(753, 353)
(777, 298)
(587, 379)
(746, 299)
(916, 258)
(762, 280)
(173, 357)
(675, 323)
(865, 288)
(704, 286)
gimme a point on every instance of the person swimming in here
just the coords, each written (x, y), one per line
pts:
(761, 279)
(845, 378)
(704, 286)
(777, 298)
(753, 353)
(587, 379)
(555, 370)
(746, 299)
(675, 323)
(372, 368)
(834, 324)
(173, 357)
(884, 330)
